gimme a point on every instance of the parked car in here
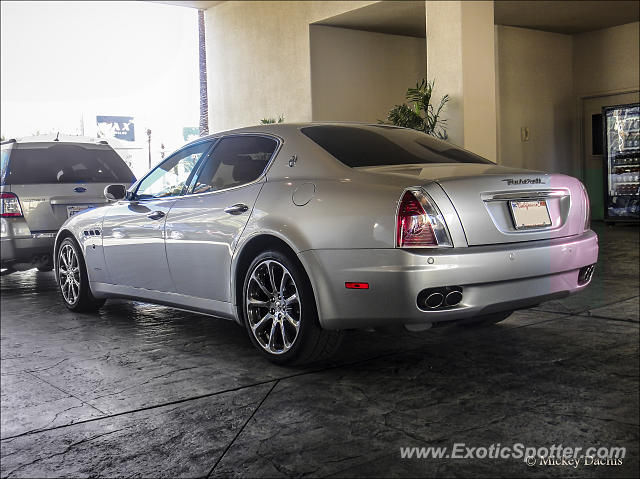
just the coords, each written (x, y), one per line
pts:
(42, 183)
(298, 232)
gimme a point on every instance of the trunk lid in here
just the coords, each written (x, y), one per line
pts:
(46, 206)
(54, 180)
(482, 196)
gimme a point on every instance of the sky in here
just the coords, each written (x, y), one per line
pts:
(64, 62)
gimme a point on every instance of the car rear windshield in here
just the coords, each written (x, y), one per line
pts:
(64, 164)
(377, 145)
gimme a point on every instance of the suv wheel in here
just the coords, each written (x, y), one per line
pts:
(280, 312)
(45, 264)
(73, 281)
(7, 270)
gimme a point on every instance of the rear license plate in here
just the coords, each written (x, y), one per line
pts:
(530, 214)
(75, 209)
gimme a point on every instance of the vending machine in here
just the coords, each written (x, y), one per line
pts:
(622, 162)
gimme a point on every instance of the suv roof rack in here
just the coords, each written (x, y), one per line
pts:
(12, 140)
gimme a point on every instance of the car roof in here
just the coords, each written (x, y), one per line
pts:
(40, 144)
(284, 128)
(50, 140)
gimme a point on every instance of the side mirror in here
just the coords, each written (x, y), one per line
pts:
(115, 192)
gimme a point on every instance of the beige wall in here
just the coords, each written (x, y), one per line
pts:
(359, 76)
(480, 118)
(541, 77)
(461, 60)
(260, 64)
(536, 91)
(606, 60)
(444, 62)
(258, 59)
(605, 70)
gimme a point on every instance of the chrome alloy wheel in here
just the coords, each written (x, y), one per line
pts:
(69, 274)
(273, 306)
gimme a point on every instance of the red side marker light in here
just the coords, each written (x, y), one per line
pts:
(357, 285)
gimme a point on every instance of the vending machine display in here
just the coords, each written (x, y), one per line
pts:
(622, 158)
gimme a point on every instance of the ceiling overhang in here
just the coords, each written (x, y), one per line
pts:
(199, 4)
(567, 17)
(408, 17)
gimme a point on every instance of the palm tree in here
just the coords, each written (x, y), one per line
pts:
(202, 55)
(422, 115)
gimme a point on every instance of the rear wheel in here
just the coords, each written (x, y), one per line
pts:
(73, 280)
(280, 312)
(485, 320)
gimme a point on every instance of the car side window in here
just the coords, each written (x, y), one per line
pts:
(170, 177)
(236, 160)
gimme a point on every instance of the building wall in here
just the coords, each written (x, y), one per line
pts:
(605, 71)
(359, 76)
(258, 59)
(444, 62)
(535, 91)
(540, 78)
(480, 116)
(262, 56)
(606, 60)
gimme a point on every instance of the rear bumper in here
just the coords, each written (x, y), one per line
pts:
(493, 278)
(19, 245)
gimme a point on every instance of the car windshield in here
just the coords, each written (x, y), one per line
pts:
(64, 164)
(378, 145)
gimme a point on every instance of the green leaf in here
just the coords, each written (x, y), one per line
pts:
(403, 115)
(420, 114)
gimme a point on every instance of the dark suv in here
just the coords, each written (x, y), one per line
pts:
(42, 183)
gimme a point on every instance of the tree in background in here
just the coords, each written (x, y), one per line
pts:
(202, 56)
(421, 115)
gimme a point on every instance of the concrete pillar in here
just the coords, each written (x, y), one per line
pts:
(461, 60)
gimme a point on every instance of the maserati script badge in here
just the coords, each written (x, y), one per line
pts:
(524, 181)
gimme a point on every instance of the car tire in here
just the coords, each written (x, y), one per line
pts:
(484, 320)
(72, 279)
(280, 314)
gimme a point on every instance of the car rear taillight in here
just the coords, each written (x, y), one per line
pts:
(9, 205)
(419, 222)
(414, 228)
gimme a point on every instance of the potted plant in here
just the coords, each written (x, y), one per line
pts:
(420, 114)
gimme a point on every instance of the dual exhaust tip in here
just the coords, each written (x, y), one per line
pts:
(585, 274)
(440, 298)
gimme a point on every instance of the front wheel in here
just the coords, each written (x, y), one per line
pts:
(280, 312)
(71, 273)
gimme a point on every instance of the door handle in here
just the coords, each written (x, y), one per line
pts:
(155, 215)
(236, 209)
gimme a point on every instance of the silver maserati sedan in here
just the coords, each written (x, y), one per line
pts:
(300, 231)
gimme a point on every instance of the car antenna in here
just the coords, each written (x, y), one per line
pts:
(57, 137)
